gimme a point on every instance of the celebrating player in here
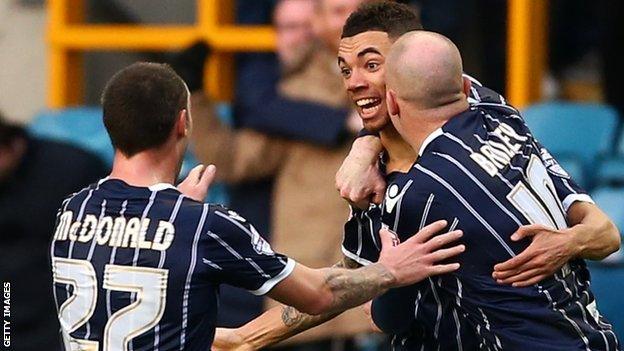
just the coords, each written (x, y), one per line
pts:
(137, 262)
(367, 37)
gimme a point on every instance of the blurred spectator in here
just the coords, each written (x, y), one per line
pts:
(308, 215)
(259, 105)
(35, 176)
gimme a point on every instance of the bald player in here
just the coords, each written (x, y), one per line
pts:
(479, 169)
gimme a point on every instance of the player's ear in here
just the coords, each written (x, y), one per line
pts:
(183, 123)
(467, 85)
(391, 101)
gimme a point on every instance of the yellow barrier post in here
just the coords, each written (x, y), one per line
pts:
(526, 50)
(68, 37)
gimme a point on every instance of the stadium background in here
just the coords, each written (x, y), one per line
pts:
(556, 60)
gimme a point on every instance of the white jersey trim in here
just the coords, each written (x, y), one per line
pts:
(269, 284)
(356, 258)
(572, 198)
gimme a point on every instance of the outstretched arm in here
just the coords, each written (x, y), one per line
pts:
(275, 325)
(319, 295)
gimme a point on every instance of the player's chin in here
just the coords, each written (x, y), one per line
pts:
(376, 124)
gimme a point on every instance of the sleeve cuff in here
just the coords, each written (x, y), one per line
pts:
(269, 284)
(356, 258)
(572, 198)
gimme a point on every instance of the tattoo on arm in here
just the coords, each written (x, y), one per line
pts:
(298, 321)
(352, 288)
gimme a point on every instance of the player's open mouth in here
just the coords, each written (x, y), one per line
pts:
(369, 105)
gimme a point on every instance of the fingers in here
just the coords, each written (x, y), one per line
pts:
(443, 240)
(444, 268)
(428, 231)
(195, 174)
(443, 254)
(527, 231)
(515, 262)
(525, 276)
(207, 177)
(388, 238)
(534, 280)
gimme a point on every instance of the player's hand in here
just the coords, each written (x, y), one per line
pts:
(226, 339)
(419, 256)
(197, 182)
(549, 250)
(359, 180)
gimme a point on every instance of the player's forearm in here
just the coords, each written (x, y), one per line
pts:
(595, 235)
(282, 322)
(350, 288)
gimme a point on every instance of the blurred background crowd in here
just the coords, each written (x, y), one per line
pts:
(280, 125)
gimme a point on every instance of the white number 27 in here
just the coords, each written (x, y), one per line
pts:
(149, 285)
(548, 211)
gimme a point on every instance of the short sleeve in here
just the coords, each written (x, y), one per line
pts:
(568, 191)
(361, 241)
(239, 256)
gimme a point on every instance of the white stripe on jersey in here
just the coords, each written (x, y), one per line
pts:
(236, 254)
(469, 149)
(161, 263)
(135, 258)
(236, 223)
(468, 207)
(423, 220)
(480, 185)
(372, 230)
(62, 209)
(458, 335)
(89, 255)
(112, 261)
(78, 219)
(189, 275)
(212, 264)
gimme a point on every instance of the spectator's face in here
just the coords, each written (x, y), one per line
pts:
(361, 59)
(293, 24)
(331, 15)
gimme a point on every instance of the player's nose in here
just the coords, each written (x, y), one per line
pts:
(357, 82)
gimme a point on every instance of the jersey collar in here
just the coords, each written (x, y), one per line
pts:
(431, 137)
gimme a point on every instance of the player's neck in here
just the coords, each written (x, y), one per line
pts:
(401, 156)
(430, 120)
(146, 168)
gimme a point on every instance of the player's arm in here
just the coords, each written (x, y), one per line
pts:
(592, 235)
(275, 325)
(358, 180)
(318, 295)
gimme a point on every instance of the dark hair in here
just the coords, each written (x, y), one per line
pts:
(386, 16)
(141, 103)
(9, 132)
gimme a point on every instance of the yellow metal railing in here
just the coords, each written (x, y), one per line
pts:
(526, 50)
(69, 36)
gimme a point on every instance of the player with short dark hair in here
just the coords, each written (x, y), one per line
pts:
(362, 60)
(137, 262)
(392, 18)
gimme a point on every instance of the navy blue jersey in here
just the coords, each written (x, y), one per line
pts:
(139, 268)
(485, 174)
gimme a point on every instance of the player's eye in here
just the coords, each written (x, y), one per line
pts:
(372, 66)
(345, 72)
